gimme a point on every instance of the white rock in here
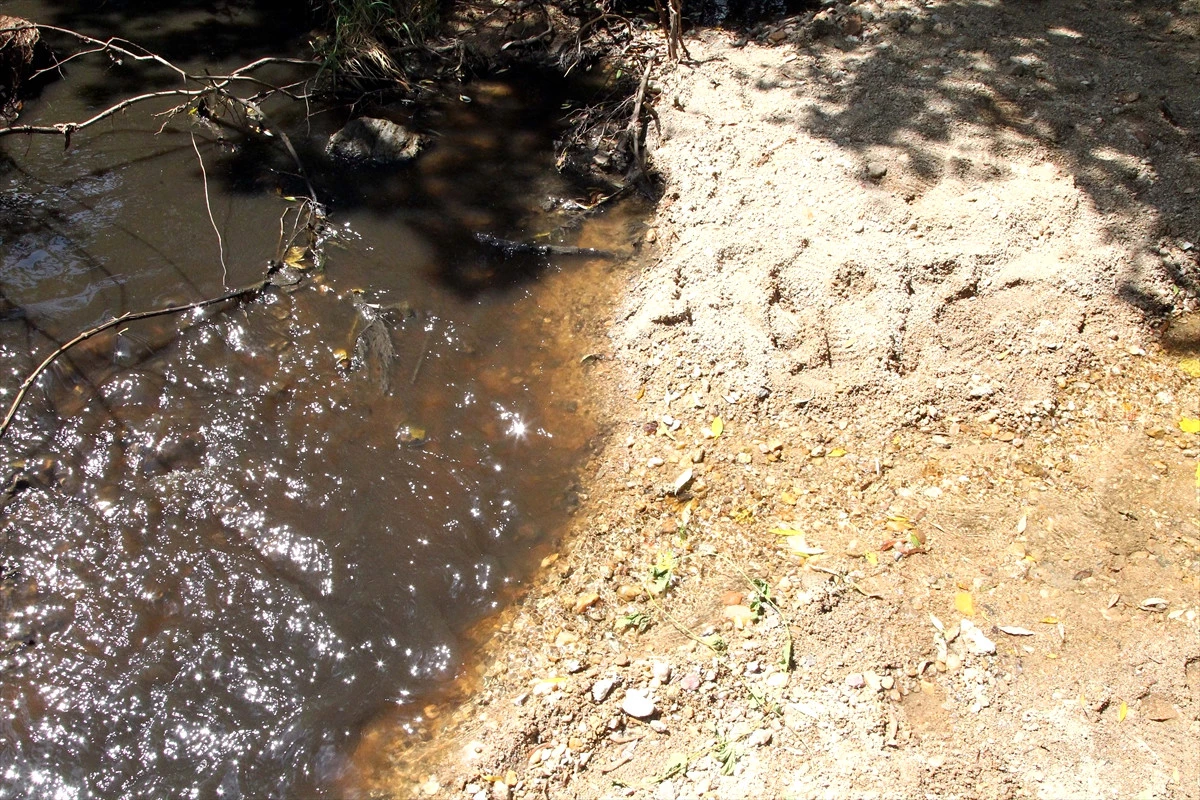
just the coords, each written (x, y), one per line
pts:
(759, 738)
(982, 390)
(602, 688)
(975, 638)
(637, 704)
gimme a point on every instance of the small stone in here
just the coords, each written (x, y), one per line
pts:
(975, 638)
(980, 391)
(855, 680)
(628, 592)
(584, 602)
(1158, 708)
(602, 688)
(655, 462)
(500, 791)
(876, 170)
(759, 738)
(859, 227)
(887, 681)
(744, 458)
(690, 682)
(637, 704)
(661, 671)
(872, 681)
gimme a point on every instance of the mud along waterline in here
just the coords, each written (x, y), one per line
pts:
(239, 545)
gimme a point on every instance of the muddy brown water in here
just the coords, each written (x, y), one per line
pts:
(232, 555)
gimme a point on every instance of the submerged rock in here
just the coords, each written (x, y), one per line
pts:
(369, 139)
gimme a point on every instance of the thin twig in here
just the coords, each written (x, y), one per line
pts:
(424, 350)
(129, 316)
(635, 122)
(213, 222)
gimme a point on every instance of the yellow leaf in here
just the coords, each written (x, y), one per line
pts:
(1122, 711)
(295, 257)
(1191, 366)
(837, 452)
(1189, 425)
(1051, 655)
(786, 532)
(718, 427)
(788, 499)
(1049, 620)
(872, 558)
(802, 548)
(641, 392)
(964, 604)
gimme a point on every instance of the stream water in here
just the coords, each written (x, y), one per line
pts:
(236, 548)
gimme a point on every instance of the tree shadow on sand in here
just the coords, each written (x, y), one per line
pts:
(1105, 90)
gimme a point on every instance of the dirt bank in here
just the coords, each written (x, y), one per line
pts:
(900, 491)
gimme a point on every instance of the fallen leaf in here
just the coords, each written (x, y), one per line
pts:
(964, 604)
(1013, 630)
(836, 452)
(548, 685)
(1191, 366)
(802, 548)
(682, 481)
(641, 392)
(872, 558)
(899, 524)
(1049, 620)
(1189, 425)
(937, 623)
(1122, 711)
(294, 257)
(717, 427)
(788, 499)
(1153, 604)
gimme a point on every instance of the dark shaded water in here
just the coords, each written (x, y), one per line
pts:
(237, 549)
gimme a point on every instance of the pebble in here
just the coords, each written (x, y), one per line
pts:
(637, 704)
(855, 680)
(661, 671)
(602, 688)
(982, 390)
(759, 738)
(975, 638)
(876, 170)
